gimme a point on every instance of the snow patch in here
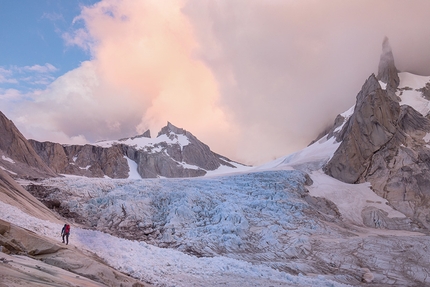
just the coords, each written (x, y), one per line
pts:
(132, 166)
(350, 199)
(5, 158)
(86, 168)
(226, 170)
(410, 95)
(11, 172)
(312, 156)
(412, 81)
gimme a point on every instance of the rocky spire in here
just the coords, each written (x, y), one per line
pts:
(171, 128)
(372, 125)
(387, 71)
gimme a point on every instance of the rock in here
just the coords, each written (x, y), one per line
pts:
(18, 156)
(377, 218)
(195, 153)
(400, 171)
(371, 126)
(367, 275)
(86, 160)
(14, 194)
(53, 264)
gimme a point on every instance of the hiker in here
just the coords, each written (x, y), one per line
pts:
(65, 232)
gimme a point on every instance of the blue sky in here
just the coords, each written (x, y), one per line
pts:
(31, 35)
(250, 78)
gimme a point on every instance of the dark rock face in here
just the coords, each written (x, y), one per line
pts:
(167, 159)
(21, 159)
(195, 153)
(400, 171)
(87, 160)
(371, 126)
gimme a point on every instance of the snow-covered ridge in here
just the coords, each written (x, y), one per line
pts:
(150, 145)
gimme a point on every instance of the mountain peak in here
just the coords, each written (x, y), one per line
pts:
(171, 128)
(146, 134)
(387, 71)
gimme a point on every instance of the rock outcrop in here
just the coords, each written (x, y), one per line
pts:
(18, 157)
(372, 125)
(29, 259)
(14, 194)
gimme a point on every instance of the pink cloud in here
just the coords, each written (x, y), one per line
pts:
(143, 73)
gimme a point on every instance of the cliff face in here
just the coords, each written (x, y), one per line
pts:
(17, 155)
(372, 125)
(83, 160)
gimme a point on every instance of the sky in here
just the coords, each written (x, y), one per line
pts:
(254, 80)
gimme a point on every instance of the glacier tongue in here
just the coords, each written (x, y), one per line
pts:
(265, 217)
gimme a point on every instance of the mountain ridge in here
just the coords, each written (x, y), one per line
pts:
(175, 152)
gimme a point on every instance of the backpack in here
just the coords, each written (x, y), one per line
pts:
(67, 229)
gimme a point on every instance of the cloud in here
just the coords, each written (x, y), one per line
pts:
(5, 77)
(143, 74)
(54, 17)
(27, 78)
(47, 68)
(78, 37)
(10, 95)
(286, 68)
(253, 79)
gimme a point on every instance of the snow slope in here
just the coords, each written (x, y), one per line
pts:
(410, 94)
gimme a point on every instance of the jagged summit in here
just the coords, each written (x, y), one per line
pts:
(371, 126)
(171, 128)
(387, 71)
(146, 134)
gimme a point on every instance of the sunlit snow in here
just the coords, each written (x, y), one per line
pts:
(410, 95)
(133, 173)
(149, 144)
